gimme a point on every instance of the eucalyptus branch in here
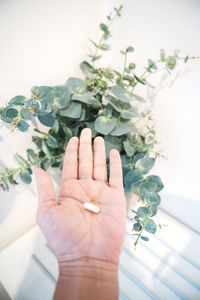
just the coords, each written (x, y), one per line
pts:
(103, 101)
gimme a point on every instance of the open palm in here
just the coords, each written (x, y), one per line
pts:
(72, 231)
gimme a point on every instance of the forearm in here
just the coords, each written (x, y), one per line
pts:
(87, 278)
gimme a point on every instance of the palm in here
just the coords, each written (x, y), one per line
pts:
(78, 232)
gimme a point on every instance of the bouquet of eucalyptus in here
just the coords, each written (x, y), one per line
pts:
(105, 101)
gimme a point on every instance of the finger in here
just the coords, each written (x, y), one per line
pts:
(85, 154)
(115, 178)
(70, 160)
(45, 188)
(100, 170)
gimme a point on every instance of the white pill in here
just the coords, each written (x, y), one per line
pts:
(91, 207)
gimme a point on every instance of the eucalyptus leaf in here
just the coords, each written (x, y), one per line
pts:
(75, 84)
(55, 126)
(151, 64)
(34, 104)
(47, 120)
(52, 142)
(88, 98)
(129, 114)
(150, 197)
(23, 125)
(41, 92)
(86, 68)
(153, 210)
(154, 182)
(162, 54)
(121, 129)
(11, 113)
(118, 105)
(144, 238)
(26, 114)
(25, 176)
(145, 164)
(62, 97)
(171, 62)
(140, 80)
(17, 100)
(104, 28)
(132, 177)
(104, 125)
(143, 211)
(138, 156)
(121, 93)
(104, 47)
(150, 225)
(31, 155)
(129, 49)
(129, 149)
(73, 111)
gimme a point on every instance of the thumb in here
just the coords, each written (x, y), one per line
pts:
(46, 192)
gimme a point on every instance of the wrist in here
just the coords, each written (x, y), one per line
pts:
(87, 278)
(91, 268)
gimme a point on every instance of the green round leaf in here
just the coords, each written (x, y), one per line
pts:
(151, 198)
(143, 212)
(23, 125)
(47, 120)
(145, 164)
(74, 84)
(131, 178)
(11, 113)
(42, 91)
(129, 114)
(25, 176)
(154, 182)
(86, 68)
(17, 100)
(120, 93)
(144, 238)
(153, 210)
(121, 128)
(130, 49)
(88, 98)
(151, 64)
(129, 149)
(104, 125)
(170, 62)
(62, 97)
(150, 226)
(72, 111)
(52, 142)
(26, 114)
(162, 54)
(33, 103)
(45, 108)
(104, 28)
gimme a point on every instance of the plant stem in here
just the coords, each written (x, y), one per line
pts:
(139, 235)
(125, 60)
(103, 38)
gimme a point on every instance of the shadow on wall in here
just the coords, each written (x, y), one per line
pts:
(190, 209)
(165, 82)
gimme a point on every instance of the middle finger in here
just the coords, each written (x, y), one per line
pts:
(85, 154)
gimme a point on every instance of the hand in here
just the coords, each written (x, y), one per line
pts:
(72, 231)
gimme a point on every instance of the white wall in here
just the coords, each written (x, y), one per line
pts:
(150, 26)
